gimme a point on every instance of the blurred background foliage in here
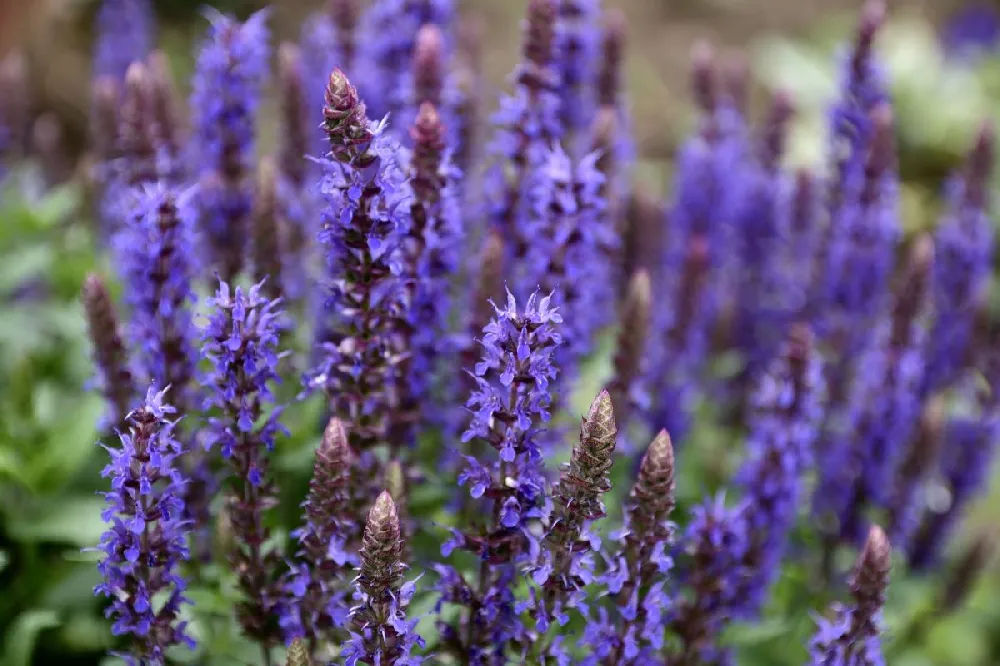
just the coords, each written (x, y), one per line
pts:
(49, 462)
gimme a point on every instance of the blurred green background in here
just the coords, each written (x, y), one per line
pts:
(49, 463)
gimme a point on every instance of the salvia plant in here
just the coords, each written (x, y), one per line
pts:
(438, 288)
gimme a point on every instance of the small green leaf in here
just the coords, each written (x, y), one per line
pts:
(22, 636)
(71, 520)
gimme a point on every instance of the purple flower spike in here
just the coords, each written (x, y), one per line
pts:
(967, 455)
(569, 251)
(578, 46)
(716, 543)
(432, 257)
(155, 250)
(391, 28)
(509, 409)
(786, 415)
(862, 89)
(241, 341)
(364, 225)
(851, 636)
(227, 89)
(380, 630)
(146, 541)
(964, 260)
(124, 36)
(527, 125)
(867, 445)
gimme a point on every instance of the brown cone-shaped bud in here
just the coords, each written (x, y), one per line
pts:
(298, 654)
(586, 477)
(345, 121)
(48, 143)
(775, 132)
(538, 46)
(328, 506)
(979, 167)
(632, 335)
(913, 296)
(14, 103)
(609, 84)
(344, 14)
(642, 234)
(693, 275)
(166, 104)
(603, 131)
(428, 65)
(651, 500)
(265, 246)
(109, 350)
(704, 77)
(104, 119)
(736, 78)
(882, 154)
(381, 550)
(428, 134)
(294, 144)
(966, 571)
(869, 583)
(872, 18)
(136, 132)
(467, 79)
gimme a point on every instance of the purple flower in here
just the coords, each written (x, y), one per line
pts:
(380, 630)
(869, 435)
(577, 46)
(110, 356)
(509, 409)
(227, 88)
(851, 637)
(862, 89)
(760, 230)
(716, 543)
(364, 225)
(432, 257)
(569, 251)
(967, 455)
(124, 36)
(690, 271)
(146, 541)
(241, 341)
(786, 414)
(963, 265)
(154, 251)
(861, 248)
(390, 28)
(527, 124)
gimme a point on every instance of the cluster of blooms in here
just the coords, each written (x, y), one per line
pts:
(853, 371)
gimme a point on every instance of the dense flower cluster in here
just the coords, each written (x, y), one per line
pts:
(146, 541)
(241, 340)
(227, 90)
(758, 312)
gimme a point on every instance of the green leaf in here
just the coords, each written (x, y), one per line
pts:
(22, 636)
(71, 520)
